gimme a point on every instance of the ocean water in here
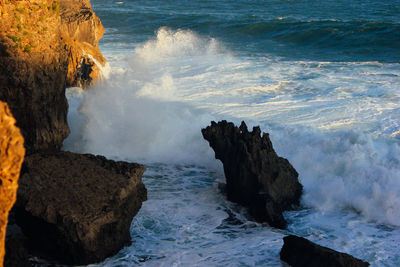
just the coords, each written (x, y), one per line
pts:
(322, 77)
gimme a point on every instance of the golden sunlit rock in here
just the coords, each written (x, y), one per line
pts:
(11, 157)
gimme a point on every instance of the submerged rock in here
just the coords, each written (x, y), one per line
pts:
(11, 156)
(78, 208)
(300, 252)
(256, 176)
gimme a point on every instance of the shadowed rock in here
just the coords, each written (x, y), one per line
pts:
(17, 251)
(255, 176)
(78, 208)
(300, 252)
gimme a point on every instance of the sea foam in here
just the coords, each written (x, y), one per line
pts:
(333, 121)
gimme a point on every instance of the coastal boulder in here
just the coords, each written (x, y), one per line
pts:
(77, 209)
(300, 252)
(256, 176)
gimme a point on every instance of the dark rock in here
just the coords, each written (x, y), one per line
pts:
(300, 252)
(78, 208)
(256, 177)
(17, 251)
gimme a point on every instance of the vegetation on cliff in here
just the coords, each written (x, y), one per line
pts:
(46, 45)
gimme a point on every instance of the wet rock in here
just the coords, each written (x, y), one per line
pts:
(78, 208)
(83, 30)
(300, 252)
(11, 156)
(256, 176)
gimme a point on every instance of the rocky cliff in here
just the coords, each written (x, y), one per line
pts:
(45, 46)
(82, 30)
(33, 67)
(11, 156)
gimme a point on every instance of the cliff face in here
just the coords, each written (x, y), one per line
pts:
(33, 66)
(44, 46)
(82, 30)
(11, 156)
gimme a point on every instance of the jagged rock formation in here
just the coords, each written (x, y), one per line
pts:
(78, 208)
(11, 156)
(300, 252)
(45, 46)
(83, 30)
(255, 176)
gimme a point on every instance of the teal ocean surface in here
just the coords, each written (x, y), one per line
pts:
(322, 77)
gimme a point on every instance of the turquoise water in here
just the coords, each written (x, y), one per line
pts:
(322, 77)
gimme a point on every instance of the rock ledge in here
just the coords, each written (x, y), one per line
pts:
(78, 208)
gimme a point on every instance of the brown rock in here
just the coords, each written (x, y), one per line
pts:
(300, 252)
(78, 208)
(82, 31)
(33, 67)
(256, 177)
(46, 45)
(11, 156)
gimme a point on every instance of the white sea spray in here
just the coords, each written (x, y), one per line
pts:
(334, 121)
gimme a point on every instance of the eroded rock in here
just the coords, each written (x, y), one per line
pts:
(82, 31)
(256, 176)
(78, 208)
(300, 252)
(46, 45)
(11, 156)
(33, 67)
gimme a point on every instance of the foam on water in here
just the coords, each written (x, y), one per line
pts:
(334, 121)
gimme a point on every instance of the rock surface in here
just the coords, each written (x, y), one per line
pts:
(44, 46)
(33, 67)
(11, 156)
(300, 252)
(83, 31)
(256, 177)
(17, 248)
(78, 208)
